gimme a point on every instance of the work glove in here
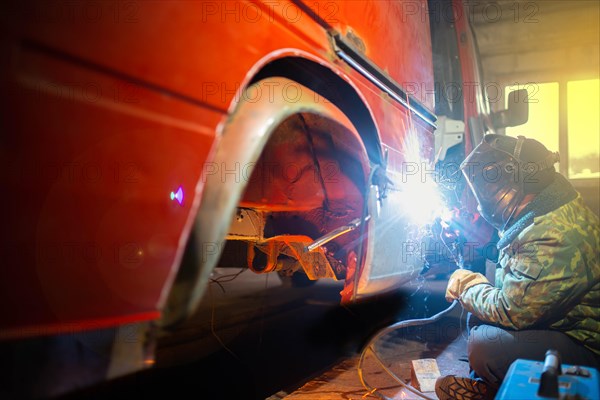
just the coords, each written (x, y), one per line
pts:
(460, 281)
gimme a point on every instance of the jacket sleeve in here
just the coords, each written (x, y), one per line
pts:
(545, 278)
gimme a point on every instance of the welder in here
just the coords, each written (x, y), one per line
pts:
(546, 293)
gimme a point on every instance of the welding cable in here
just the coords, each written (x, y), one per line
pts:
(226, 278)
(371, 346)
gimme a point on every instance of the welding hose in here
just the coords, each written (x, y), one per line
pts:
(398, 325)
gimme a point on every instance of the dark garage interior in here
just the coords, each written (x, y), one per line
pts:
(292, 199)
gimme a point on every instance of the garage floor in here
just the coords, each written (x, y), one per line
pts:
(444, 340)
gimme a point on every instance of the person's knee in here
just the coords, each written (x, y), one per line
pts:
(485, 352)
(484, 341)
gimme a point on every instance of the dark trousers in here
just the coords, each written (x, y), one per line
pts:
(491, 349)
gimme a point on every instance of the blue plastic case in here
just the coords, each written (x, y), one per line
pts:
(523, 380)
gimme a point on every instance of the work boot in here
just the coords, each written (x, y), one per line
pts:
(456, 388)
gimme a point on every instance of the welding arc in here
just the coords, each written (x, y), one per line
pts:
(371, 346)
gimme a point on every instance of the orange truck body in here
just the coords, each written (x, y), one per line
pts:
(110, 107)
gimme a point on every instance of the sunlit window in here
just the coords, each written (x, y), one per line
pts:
(543, 114)
(584, 128)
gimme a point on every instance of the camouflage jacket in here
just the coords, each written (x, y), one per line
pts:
(548, 277)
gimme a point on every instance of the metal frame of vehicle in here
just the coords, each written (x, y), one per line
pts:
(110, 109)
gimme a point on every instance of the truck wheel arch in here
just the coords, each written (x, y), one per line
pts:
(329, 84)
(261, 108)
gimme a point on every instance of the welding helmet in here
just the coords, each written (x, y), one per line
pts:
(501, 170)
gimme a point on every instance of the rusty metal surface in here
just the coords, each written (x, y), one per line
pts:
(247, 225)
(244, 138)
(314, 263)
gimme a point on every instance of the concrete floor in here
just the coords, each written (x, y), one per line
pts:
(275, 342)
(444, 340)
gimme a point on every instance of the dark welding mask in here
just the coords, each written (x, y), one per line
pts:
(500, 176)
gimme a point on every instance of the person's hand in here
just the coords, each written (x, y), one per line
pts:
(460, 281)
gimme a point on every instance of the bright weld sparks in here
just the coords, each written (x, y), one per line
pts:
(421, 199)
(422, 202)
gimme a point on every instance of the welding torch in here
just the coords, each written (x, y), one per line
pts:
(450, 253)
(352, 225)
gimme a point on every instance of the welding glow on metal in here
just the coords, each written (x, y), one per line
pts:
(421, 202)
(424, 207)
(421, 199)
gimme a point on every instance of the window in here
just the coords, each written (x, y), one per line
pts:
(543, 114)
(583, 128)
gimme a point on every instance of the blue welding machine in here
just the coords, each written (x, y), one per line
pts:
(531, 380)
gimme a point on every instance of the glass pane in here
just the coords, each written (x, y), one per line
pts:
(543, 114)
(584, 128)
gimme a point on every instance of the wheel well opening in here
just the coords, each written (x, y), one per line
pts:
(308, 181)
(331, 87)
(310, 178)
